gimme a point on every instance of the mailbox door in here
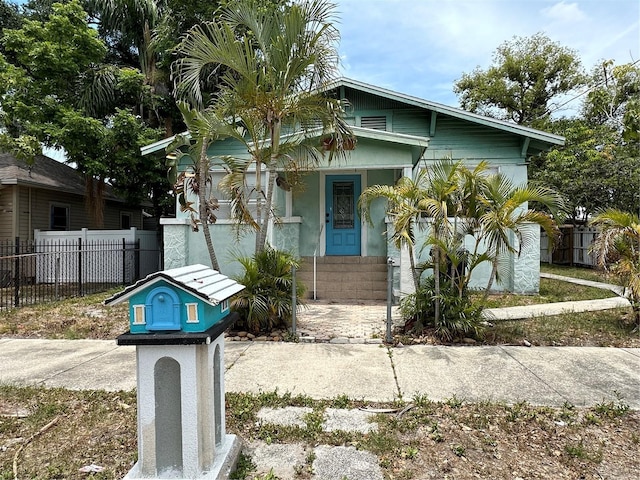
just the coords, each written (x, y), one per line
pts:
(162, 309)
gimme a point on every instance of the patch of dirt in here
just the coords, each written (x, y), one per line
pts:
(77, 318)
(64, 431)
(482, 441)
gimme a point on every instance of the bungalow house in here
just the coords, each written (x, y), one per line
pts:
(397, 134)
(50, 195)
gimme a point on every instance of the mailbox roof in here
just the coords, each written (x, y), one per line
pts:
(199, 280)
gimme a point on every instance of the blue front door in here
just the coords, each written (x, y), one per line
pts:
(342, 221)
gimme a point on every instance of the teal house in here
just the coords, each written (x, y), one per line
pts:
(345, 258)
(189, 299)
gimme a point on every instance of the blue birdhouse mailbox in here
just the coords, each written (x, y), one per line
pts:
(188, 299)
(177, 319)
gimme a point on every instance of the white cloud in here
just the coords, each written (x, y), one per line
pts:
(420, 47)
(565, 12)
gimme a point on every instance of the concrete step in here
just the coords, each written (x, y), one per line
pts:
(346, 278)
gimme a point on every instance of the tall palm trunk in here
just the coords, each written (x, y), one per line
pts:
(265, 219)
(203, 167)
(264, 229)
(259, 198)
(414, 272)
(436, 272)
(492, 277)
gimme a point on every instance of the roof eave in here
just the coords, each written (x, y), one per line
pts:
(452, 111)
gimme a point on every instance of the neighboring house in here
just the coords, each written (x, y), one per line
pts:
(51, 196)
(397, 134)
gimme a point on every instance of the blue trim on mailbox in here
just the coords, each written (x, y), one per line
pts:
(208, 315)
(162, 310)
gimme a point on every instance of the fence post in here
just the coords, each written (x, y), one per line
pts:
(16, 280)
(124, 262)
(388, 335)
(57, 278)
(79, 266)
(137, 261)
(294, 299)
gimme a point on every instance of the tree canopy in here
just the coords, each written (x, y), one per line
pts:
(599, 167)
(57, 90)
(528, 76)
(530, 79)
(276, 62)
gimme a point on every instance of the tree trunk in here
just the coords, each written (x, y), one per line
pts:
(414, 273)
(436, 272)
(264, 219)
(494, 270)
(203, 173)
(264, 227)
(259, 198)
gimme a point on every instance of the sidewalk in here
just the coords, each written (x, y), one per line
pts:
(538, 375)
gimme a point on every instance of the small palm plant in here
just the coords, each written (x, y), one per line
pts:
(617, 250)
(266, 302)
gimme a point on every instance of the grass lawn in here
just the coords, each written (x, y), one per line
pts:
(86, 317)
(52, 433)
(608, 328)
(579, 272)
(551, 291)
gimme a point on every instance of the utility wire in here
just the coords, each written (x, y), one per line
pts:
(589, 89)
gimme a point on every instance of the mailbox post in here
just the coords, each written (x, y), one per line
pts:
(177, 321)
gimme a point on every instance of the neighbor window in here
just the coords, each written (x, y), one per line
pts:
(125, 221)
(224, 210)
(59, 217)
(224, 306)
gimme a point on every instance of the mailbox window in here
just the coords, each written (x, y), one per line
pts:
(138, 315)
(224, 305)
(192, 313)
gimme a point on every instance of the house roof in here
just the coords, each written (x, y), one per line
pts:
(447, 110)
(45, 173)
(527, 133)
(199, 280)
(374, 134)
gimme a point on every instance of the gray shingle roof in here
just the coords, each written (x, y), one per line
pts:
(45, 173)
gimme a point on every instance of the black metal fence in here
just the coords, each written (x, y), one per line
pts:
(32, 273)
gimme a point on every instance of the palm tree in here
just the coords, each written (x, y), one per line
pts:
(276, 63)
(617, 248)
(205, 127)
(433, 196)
(402, 203)
(502, 214)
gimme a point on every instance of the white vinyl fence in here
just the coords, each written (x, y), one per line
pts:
(95, 256)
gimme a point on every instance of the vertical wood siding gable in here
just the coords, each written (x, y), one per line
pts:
(462, 140)
(412, 121)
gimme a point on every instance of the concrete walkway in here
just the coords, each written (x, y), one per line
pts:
(539, 375)
(617, 289)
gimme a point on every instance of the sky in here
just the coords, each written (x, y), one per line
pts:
(421, 47)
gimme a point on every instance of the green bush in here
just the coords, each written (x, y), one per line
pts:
(265, 304)
(458, 316)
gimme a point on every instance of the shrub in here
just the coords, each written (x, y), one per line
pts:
(458, 316)
(265, 303)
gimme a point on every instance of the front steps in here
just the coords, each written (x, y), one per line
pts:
(345, 278)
